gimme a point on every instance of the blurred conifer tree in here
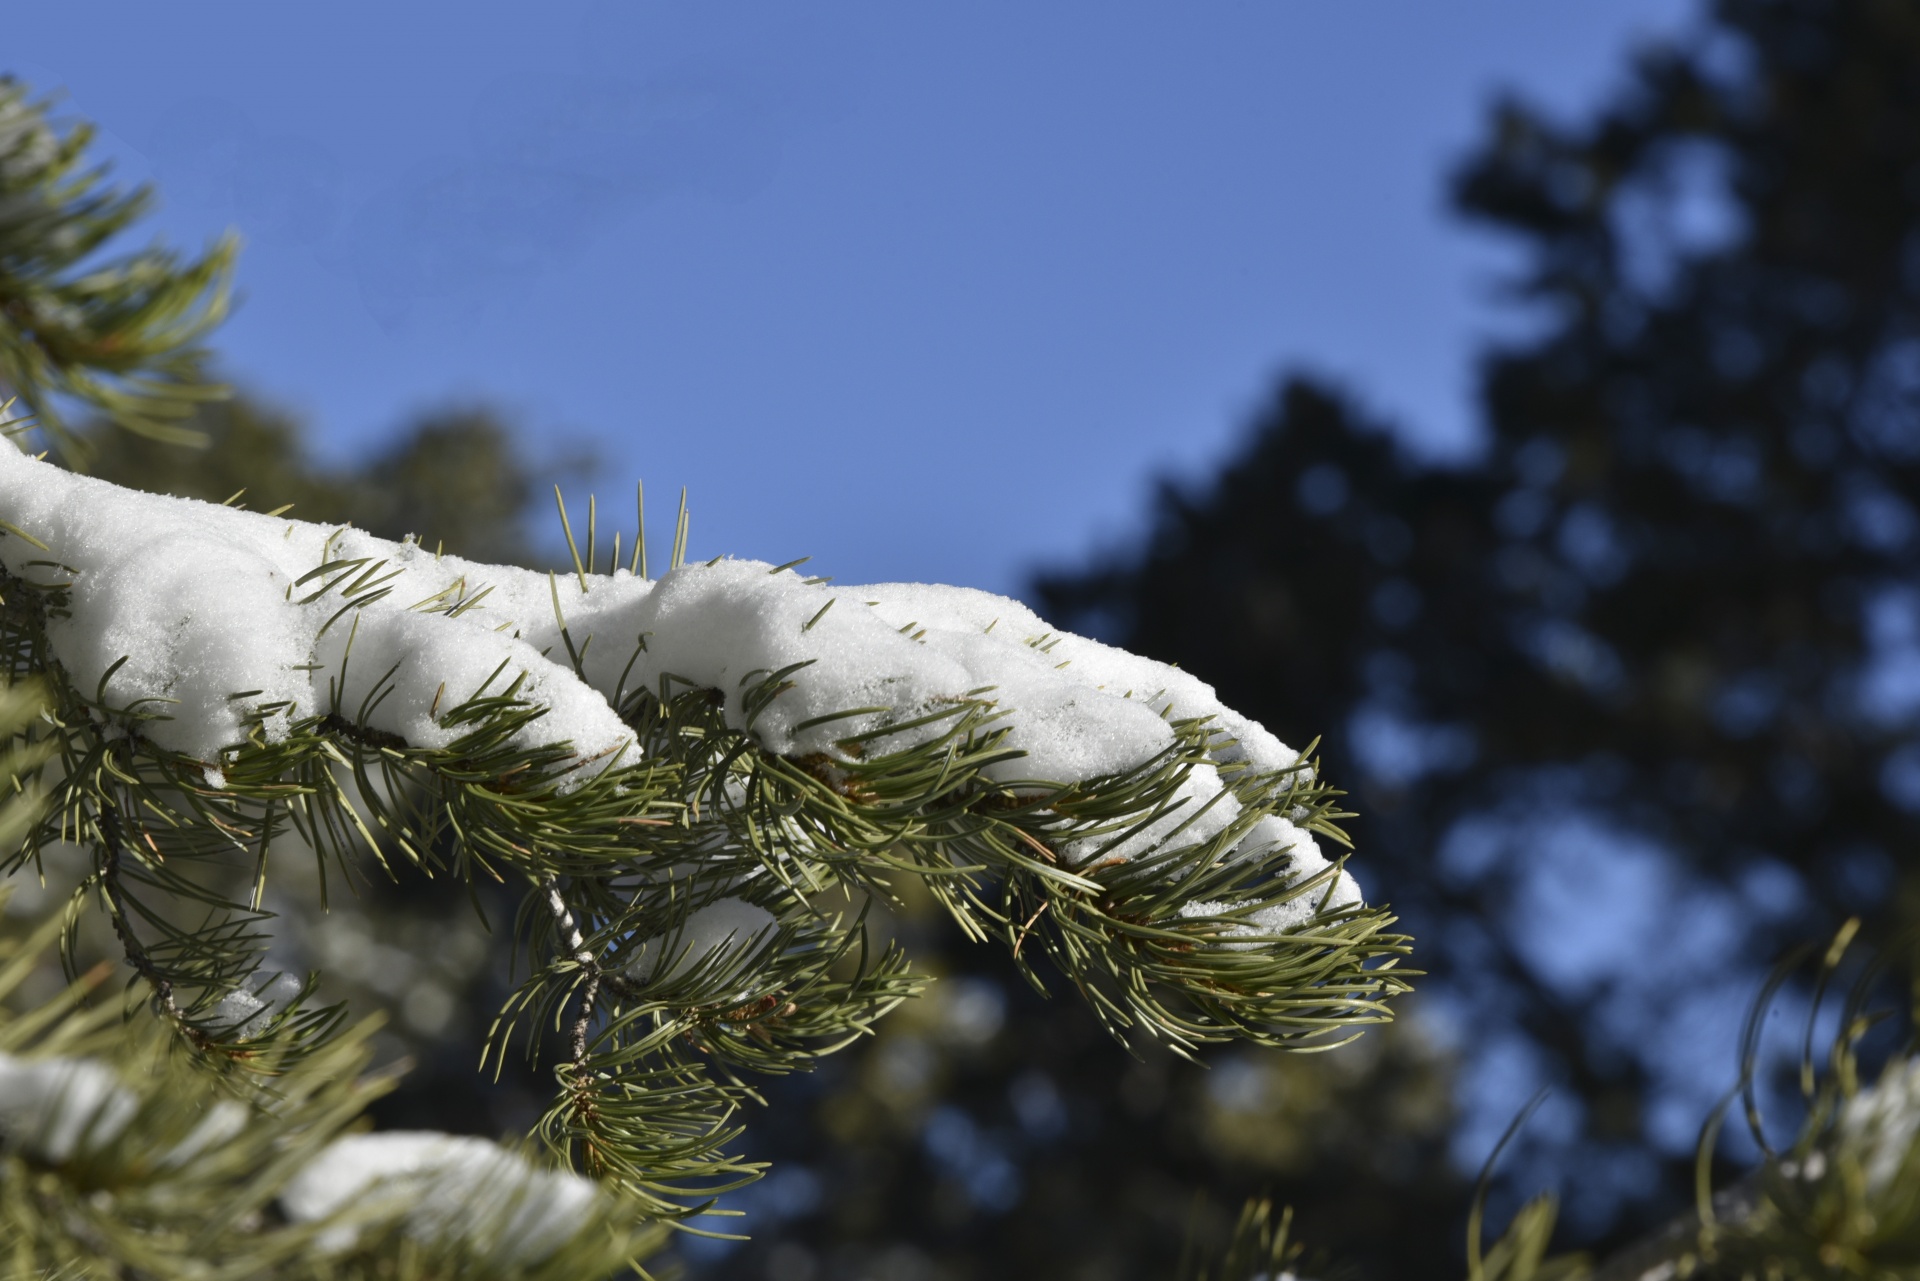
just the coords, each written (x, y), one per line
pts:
(456, 477)
(117, 332)
(1680, 586)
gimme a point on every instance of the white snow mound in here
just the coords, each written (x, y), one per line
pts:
(59, 1107)
(207, 607)
(1882, 1124)
(442, 1187)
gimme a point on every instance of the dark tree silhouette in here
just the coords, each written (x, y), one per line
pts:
(1679, 587)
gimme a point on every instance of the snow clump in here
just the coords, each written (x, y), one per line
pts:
(1307, 862)
(444, 1188)
(215, 618)
(56, 1108)
(440, 1187)
(1882, 1124)
(243, 1015)
(196, 611)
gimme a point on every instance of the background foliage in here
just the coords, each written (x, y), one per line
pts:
(1655, 644)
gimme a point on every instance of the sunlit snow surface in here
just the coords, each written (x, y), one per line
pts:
(451, 1188)
(206, 606)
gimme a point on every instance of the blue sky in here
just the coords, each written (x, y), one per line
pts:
(927, 291)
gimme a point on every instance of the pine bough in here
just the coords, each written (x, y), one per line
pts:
(684, 776)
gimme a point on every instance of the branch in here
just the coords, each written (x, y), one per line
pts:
(113, 838)
(570, 934)
(364, 735)
(582, 1084)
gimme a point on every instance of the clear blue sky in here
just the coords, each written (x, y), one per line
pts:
(928, 291)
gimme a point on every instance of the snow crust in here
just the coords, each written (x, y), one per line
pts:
(205, 606)
(445, 1188)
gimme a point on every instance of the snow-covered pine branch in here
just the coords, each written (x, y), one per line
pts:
(678, 771)
(207, 621)
(120, 1157)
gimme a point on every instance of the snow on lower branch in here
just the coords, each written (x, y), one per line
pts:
(444, 1188)
(215, 618)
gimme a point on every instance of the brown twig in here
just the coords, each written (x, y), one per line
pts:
(1021, 940)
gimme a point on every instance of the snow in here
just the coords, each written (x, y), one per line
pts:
(1307, 862)
(243, 1015)
(443, 1188)
(59, 1107)
(222, 621)
(205, 605)
(1083, 709)
(731, 925)
(1882, 1124)
(965, 612)
(440, 1187)
(225, 1119)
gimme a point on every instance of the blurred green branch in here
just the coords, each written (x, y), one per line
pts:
(118, 333)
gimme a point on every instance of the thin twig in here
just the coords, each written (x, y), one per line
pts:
(576, 944)
(1020, 941)
(583, 1022)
